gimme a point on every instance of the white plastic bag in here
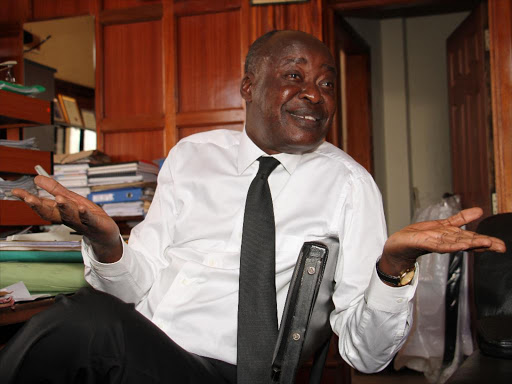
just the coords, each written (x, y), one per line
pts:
(425, 346)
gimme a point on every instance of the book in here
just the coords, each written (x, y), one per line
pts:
(116, 195)
(82, 191)
(119, 179)
(40, 245)
(70, 168)
(127, 209)
(141, 184)
(131, 166)
(44, 277)
(42, 256)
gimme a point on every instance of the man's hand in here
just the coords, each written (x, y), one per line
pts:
(440, 236)
(78, 213)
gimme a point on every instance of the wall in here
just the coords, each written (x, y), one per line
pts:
(410, 110)
(70, 49)
(428, 105)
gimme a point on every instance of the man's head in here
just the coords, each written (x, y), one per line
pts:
(289, 87)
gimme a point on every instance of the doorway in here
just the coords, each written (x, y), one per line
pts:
(410, 109)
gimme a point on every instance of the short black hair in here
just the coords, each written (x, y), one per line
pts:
(256, 50)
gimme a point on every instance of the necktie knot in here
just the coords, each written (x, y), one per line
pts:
(267, 165)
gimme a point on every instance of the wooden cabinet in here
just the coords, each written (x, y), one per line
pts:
(17, 111)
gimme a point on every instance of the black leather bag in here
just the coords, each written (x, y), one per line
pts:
(493, 289)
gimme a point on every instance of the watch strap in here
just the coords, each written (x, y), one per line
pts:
(404, 278)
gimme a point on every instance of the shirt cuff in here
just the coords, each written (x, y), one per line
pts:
(383, 297)
(118, 268)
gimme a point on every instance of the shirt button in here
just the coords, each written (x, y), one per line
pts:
(400, 300)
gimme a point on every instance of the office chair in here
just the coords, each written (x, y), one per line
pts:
(305, 329)
(493, 289)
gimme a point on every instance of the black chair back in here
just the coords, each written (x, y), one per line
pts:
(492, 276)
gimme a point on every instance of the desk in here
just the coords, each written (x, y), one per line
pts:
(12, 318)
(479, 368)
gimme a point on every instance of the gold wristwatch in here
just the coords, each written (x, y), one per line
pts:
(404, 278)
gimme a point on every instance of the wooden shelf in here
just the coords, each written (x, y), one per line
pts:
(17, 213)
(22, 161)
(23, 111)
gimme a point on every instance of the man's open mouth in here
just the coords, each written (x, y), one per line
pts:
(305, 117)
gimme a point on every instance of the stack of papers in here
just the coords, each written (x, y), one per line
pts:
(30, 143)
(24, 182)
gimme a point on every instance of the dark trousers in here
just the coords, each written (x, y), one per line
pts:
(93, 337)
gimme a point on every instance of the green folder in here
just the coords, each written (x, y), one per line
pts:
(42, 256)
(43, 277)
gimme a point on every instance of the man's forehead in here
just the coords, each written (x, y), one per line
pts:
(289, 48)
(298, 60)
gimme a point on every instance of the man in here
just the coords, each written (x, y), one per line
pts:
(181, 267)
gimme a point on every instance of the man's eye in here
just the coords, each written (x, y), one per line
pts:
(293, 76)
(328, 84)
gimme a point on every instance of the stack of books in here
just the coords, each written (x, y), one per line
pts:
(123, 189)
(73, 176)
(70, 170)
(127, 172)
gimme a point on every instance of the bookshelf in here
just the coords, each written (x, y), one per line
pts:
(18, 111)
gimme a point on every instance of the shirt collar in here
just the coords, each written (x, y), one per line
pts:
(248, 153)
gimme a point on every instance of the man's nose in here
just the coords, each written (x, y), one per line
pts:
(312, 93)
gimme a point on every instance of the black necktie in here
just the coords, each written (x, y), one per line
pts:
(257, 308)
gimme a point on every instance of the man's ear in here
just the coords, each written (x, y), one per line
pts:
(246, 86)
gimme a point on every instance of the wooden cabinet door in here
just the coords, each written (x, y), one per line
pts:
(470, 114)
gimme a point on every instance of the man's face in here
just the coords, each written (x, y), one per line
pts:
(291, 95)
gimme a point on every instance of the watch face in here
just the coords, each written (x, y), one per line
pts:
(407, 277)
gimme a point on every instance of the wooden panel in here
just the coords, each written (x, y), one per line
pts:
(358, 110)
(133, 69)
(128, 146)
(500, 28)
(194, 7)
(187, 131)
(131, 15)
(22, 161)
(209, 70)
(305, 17)
(34, 111)
(14, 212)
(52, 9)
(134, 123)
(14, 10)
(116, 4)
(210, 117)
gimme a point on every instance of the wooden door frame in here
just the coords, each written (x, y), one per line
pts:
(500, 35)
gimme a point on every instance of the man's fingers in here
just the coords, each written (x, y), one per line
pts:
(449, 241)
(463, 217)
(51, 186)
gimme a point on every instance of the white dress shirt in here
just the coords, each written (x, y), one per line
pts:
(181, 264)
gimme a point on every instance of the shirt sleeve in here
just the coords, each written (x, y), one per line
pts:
(371, 318)
(131, 277)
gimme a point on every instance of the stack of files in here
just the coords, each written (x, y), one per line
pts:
(44, 266)
(73, 176)
(123, 202)
(118, 173)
